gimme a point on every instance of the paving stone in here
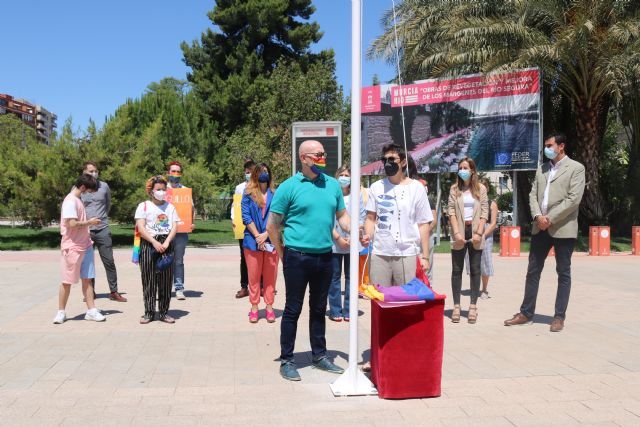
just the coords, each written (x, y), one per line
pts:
(214, 368)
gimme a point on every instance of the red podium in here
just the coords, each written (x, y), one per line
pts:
(407, 341)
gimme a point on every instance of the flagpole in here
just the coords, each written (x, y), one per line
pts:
(353, 382)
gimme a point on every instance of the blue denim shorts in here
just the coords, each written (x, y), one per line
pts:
(88, 267)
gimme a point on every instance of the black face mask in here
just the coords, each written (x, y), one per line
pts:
(391, 168)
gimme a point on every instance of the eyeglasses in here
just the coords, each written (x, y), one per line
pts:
(318, 155)
(384, 159)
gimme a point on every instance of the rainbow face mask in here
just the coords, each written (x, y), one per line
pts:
(318, 166)
(175, 176)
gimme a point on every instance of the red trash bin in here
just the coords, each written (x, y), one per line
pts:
(407, 341)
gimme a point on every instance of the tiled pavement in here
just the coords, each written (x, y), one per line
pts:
(214, 368)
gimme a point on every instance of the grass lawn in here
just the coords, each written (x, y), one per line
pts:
(207, 233)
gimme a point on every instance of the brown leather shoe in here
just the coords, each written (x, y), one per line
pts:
(557, 324)
(242, 293)
(115, 296)
(518, 319)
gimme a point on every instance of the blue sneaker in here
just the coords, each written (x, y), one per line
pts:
(325, 364)
(289, 372)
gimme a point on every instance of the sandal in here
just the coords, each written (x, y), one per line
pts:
(455, 315)
(167, 319)
(335, 318)
(144, 320)
(253, 317)
(473, 314)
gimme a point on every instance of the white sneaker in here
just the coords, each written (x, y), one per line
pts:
(61, 316)
(484, 295)
(180, 295)
(95, 315)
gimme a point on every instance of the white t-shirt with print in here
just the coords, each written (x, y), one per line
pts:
(159, 219)
(399, 210)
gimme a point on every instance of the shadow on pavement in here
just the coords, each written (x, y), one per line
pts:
(177, 314)
(193, 294)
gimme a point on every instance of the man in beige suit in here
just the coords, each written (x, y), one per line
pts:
(554, 198)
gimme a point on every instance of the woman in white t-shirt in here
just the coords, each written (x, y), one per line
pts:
(468, 210)
(398, 217)
(157, 221)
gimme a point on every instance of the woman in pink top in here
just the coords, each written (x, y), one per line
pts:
(76, 241)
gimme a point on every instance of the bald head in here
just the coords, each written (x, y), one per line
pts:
(310, 146)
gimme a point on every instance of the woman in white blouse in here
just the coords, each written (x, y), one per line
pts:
(468, 210)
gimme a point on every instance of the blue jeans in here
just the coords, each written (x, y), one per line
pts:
(179, 246)
(299, 270)
(541, 244)
(336, 308)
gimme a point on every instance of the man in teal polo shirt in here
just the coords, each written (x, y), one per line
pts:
(305, 207)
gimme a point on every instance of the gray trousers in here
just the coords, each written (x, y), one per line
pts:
(102, 240)
(392, 270)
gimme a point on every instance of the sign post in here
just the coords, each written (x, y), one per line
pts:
(329, 134)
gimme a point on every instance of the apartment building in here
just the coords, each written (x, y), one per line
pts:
(45, 123)
(36, 116)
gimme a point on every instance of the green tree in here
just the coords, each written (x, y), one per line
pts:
(582, 47)
(291, 94)
(229, 68)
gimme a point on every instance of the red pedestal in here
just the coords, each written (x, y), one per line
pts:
(599, 241)
(509, 241)
(406, 348)
(635, 240)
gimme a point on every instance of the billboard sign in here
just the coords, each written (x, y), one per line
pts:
(495, 119)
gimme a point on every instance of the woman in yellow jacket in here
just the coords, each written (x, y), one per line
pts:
(468, 210)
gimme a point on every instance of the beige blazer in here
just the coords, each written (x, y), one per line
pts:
(480, 210)
(565, 194)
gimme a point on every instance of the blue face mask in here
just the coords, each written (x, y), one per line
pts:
(464, 174)
(264, 177)
(344, 181)
(550, 153)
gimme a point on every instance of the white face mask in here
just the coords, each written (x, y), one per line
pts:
(159, 194)
(93, 174)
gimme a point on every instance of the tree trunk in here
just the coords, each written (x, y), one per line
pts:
(588, 139)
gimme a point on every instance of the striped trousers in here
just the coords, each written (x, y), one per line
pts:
(155, 281)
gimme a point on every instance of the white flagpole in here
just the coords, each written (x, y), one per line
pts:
(353, 382)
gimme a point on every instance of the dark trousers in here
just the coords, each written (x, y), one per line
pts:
(541, 244)
(155, 282)
(457, 264)
(102, 240)
(244, 274)
(299, 270)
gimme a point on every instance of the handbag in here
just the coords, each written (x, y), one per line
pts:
(135, 256)
(164, 261)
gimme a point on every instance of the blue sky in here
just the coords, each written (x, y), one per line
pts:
(83, 58)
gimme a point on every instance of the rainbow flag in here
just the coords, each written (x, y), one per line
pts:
(414, 290)
(135, 256)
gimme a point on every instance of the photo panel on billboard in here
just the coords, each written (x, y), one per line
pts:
(494, 119)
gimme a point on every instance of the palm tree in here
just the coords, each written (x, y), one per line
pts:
(583, 47)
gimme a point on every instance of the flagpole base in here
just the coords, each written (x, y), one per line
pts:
(344, 385)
